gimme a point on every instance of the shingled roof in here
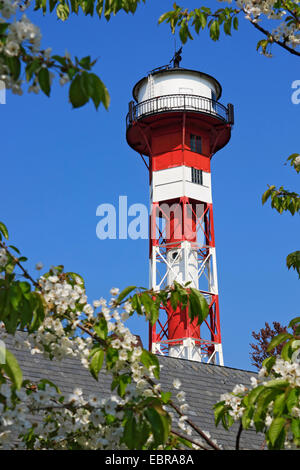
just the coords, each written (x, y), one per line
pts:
(203, 384)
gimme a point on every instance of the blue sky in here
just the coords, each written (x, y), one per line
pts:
(59, 164)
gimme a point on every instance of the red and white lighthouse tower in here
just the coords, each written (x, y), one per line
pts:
(177, 122)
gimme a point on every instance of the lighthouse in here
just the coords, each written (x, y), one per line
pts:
(176, 123)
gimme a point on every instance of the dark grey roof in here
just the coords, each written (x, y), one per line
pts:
(203, 384)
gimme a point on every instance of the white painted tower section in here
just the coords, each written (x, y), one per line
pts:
(182, 82)
(177, 182)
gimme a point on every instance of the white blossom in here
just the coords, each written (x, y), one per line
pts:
(114, 291)
(176, 383)
(3, 257)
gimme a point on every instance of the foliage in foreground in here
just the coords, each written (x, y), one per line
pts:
(272, 404)
(58, 323)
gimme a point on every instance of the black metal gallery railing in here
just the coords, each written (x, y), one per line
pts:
(180, 102)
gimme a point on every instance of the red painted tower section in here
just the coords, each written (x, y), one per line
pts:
(179, 133)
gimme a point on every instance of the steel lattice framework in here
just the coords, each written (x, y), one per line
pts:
(205, 341)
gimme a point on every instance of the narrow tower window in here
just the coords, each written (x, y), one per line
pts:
(196, 143)
(197, 176)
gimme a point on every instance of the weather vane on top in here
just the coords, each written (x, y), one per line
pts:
(177, 58)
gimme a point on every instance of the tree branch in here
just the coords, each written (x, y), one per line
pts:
(17, 262)
(193, 426)
(189, 439)
(269, 35)
(237, 442)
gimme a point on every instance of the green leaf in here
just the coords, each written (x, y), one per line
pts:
(267, 194)
(183, 295)
(52, 4)
(184, 32)
(236, 23)
(275, 429)
(122, 381)
(37, 308)
(214, 31)
(149, 359)
(263, 44)
(227, 420)
(88, 7)
(163, 17)
(71, 71)
(295, 427)
(77, 94)
(63, 11)
(130, 427)
(4, 230)
(279, 404)
(198, 307)
(154, 313)
(85, 62)
(293, 261)
(101, 329)
(147, 302)
(292, 399)
(278, 340)
(74, 278)
(294, 321)
(61, 60)
(112, 356)
(15, 295)
(27, 314)
(292, 158)
(10, 267)
(160, 425)
(202, 19)
(44, 80)
(96, 363)
(14, 248)
(174, 299)
(165, 396)
(184, 442)
(136, 432)
(254, 394)
(227, 26)
(277, 384)
(4, 304)
(12, 369)
(286, 351)
(42, 385)
(136, 304)
(98, 91)
(41, 4)
(3, 27)
(99, 7)
(263, 400)
(14, 66)
(219, 410)
(12, 319)
(269, 362)
(247, 417)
